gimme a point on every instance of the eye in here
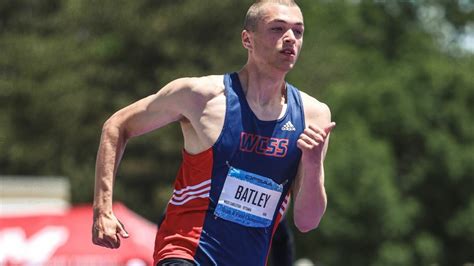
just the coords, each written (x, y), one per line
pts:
(298, 32)
(277, 29)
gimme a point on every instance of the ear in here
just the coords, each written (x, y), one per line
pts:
(246, 40)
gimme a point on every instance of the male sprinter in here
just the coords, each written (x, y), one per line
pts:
(249, 139)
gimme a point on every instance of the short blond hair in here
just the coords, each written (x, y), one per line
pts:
(254, 14)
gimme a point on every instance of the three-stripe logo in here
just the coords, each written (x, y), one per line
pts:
(288, 126)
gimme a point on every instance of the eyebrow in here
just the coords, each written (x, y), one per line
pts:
(284, 21)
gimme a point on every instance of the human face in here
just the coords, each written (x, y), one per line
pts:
(278, 39)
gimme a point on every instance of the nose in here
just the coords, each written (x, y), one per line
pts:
(289, 36)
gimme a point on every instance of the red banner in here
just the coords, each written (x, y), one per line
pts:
(65, 240)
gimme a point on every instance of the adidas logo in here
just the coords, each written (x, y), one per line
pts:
(288, 127)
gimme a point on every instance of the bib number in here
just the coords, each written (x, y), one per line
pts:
(248, 199)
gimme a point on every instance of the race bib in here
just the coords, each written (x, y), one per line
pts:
(248, 199)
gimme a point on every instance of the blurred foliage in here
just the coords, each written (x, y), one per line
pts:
(400, 170)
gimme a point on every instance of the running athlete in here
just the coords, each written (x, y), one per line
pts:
(250, 140)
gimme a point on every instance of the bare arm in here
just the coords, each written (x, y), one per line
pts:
(310, 194)
(152, 112)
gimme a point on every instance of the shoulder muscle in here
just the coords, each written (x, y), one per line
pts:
(315, 111)
(175, 101)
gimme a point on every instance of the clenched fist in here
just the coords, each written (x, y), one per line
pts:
(312, 140)
(107, 230)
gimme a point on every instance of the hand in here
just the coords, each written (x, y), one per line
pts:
(107, 230)
(312, 140)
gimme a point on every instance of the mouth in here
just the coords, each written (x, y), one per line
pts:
(288, 51)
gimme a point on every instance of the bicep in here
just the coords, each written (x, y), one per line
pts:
(318, 114)
(154, 111)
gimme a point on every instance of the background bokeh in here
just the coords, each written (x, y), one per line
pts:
(398, 76)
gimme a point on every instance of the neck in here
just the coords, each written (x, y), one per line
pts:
(262, 88)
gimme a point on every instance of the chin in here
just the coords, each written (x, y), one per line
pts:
(286, 68)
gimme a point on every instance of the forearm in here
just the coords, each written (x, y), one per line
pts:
(311, 200)
(111, 148)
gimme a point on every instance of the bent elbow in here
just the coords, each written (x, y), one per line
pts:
(306, 226)
(114, 121)
(307, 219)
(113, 128)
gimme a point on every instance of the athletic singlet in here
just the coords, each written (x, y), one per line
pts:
(229, 199)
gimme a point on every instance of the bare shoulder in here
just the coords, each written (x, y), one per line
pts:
(203, 110)
(189, 94)
(212, 85)
(205, 86)
(315, 110)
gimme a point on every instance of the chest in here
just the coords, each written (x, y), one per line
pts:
(267, 148)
